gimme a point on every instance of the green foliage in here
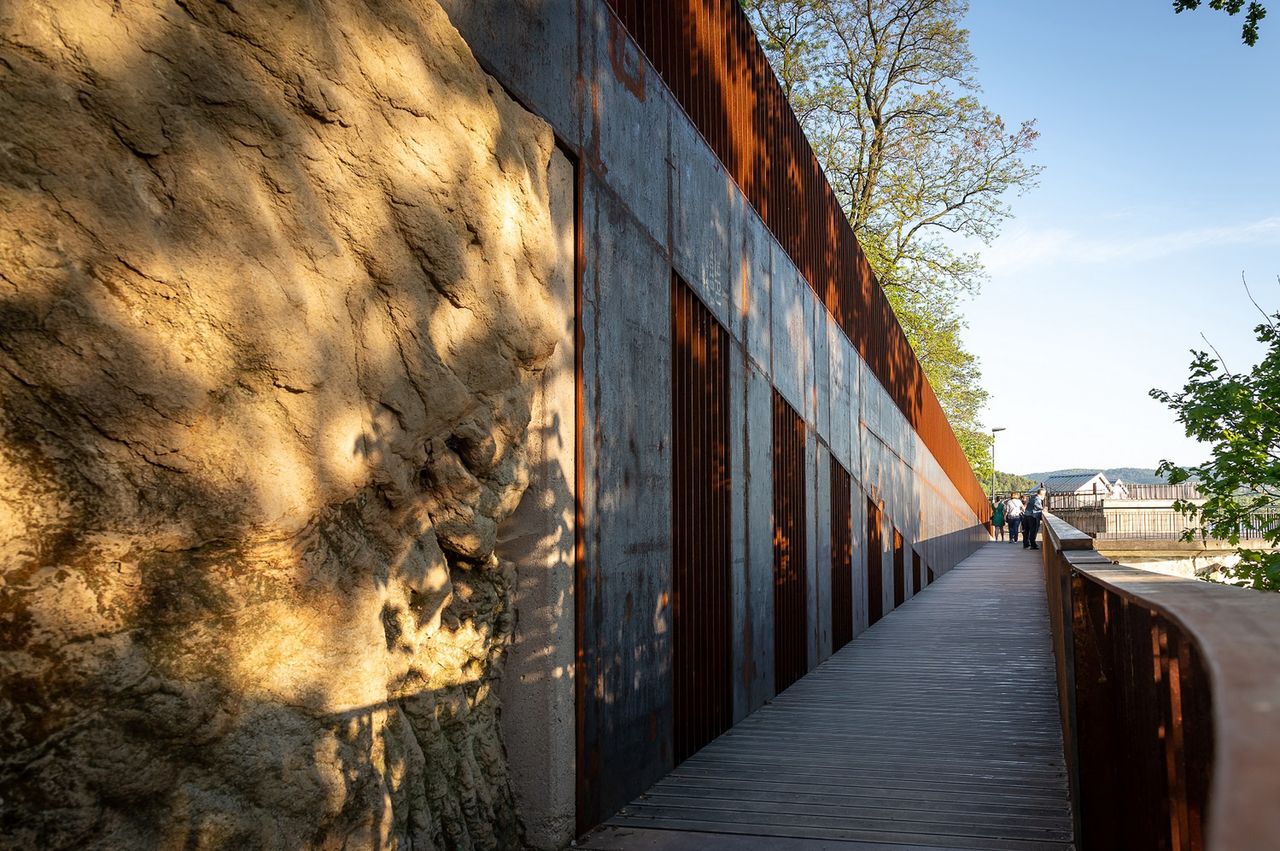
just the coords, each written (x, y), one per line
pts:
(1006, 482)
(887, 94)
(977, 448)
(1237, 415)
(1252, 17)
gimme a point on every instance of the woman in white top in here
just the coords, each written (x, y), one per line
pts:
(1013, 515)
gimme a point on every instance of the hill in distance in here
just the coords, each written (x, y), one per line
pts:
(1128, 475)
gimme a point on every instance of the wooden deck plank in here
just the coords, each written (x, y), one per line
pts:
(935, 729)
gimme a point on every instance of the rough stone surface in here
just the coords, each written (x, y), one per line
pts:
(272, 305)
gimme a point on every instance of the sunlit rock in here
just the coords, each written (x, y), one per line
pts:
(273, 301)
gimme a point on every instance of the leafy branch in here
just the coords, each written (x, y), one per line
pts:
(1252, 16)
(1237, 416)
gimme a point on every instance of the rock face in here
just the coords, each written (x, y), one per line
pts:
(273, 299)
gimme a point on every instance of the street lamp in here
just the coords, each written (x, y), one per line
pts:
(993, 460)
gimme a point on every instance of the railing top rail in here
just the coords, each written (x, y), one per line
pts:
(1237, 632)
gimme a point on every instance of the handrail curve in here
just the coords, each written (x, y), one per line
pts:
(1170, 696)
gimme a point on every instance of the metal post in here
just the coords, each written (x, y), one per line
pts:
(993, 460)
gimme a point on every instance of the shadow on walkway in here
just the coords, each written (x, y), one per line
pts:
(935, 729)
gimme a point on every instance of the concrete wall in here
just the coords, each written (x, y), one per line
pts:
(655, 198)
(536, 688)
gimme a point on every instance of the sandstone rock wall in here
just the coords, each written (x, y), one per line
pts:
(274, 292)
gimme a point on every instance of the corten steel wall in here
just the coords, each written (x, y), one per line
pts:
(701, 689)
(790, 631)
(875, 563)
(841, 556)
(708, 55)
(916, 578)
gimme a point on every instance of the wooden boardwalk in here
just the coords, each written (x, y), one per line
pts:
(935, 729)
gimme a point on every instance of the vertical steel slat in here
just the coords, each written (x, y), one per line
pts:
(790, 546)
(899, 570)
(841, 555)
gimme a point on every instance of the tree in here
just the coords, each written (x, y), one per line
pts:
(1238, 415)
(1006, 482)
(1252, 16)
(977, 448)
(887, 93)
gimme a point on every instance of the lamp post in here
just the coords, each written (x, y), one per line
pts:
(993, 460)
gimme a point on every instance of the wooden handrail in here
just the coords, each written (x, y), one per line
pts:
(1170, 697)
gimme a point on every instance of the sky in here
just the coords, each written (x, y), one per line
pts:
(1160, 141)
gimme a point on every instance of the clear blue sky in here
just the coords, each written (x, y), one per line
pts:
(1160, 135)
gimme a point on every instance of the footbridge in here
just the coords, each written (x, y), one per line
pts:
(758, 606)
(1026, 701)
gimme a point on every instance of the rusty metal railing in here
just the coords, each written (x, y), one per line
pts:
(1169, 691)
(707, 55)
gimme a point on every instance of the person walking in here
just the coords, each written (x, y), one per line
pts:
(1031, 520)
(997, 519)
(1013, 515)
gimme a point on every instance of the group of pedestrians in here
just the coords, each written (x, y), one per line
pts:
(1021, 518)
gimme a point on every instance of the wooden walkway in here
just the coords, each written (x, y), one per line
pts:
(935, 729)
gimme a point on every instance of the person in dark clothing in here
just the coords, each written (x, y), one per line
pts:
(1031, 520)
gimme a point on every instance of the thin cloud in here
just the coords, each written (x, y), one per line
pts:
(1021, 249)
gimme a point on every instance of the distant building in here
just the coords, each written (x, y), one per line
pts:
(1085, 485)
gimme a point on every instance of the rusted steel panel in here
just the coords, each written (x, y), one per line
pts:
(790, 546)
(899, 569)
(701, 641)
(841, 556)
(706, 54)
(875, 563)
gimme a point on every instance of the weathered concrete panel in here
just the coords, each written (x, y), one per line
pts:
(790, 335)
(840, 381)
(627, 502)
(755, 301)
(702, 218)
(854, 372)
(627, 125)
(757, 493)
(808, 352)
(821, 594)
(859, 559)
(531, 46)
(537, 688)
(820, 372)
